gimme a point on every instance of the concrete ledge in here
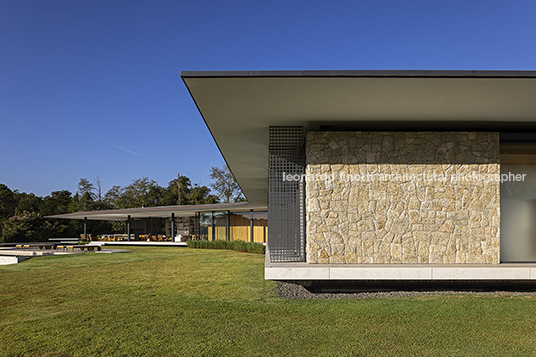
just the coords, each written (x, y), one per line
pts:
(11, 260)
(319, 273)
(25, 253)
(142, 243)
(500, 272)
(372, 273)
(394, 272)
(304, 271)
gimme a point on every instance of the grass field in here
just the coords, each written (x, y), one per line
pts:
(157, 301)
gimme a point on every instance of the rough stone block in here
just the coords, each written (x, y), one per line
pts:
(448, 221)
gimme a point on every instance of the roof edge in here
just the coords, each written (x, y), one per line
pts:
(366, 73)
(153, 210)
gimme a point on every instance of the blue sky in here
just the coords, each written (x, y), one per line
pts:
(93, 87)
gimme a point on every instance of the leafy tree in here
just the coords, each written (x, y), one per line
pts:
(8, 201)
(98, 189)
(57, 202)
(142, 192)
(28, 202)
(8, 204)
(24, 227)
(84, 186)
(225, 185)
(171, 193)
(89, 197)
(30, 227)
(86, 203)
(113, 195)
(189, 195)
(201, 195)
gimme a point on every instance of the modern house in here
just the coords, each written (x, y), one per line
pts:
(370, 175)
(383, 175)
(226, 221)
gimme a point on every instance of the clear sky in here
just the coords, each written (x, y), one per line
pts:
(93, 87)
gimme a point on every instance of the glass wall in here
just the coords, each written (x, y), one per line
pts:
(220, 226)
(242, 222)
(518, 201)
(518, 214)
(205, 225)
(240, 226)
(260, 227)
(243, 226)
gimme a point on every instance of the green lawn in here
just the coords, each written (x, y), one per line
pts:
(186, 302)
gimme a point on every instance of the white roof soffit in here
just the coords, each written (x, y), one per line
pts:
(159, 212)
(239, 107)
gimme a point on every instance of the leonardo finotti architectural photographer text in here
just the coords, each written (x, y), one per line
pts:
(422, 177)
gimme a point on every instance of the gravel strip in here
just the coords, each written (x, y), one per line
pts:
(297, 291)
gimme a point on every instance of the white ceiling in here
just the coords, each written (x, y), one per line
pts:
(239, 107)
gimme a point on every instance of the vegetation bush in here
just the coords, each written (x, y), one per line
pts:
(236, 245)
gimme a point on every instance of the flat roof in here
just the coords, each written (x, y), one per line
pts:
(364, 73)
(158, 212)
(238, 107)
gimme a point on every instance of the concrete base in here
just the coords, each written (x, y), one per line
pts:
(25, 253)
(142, 243)
(11, 260)
(417, 272)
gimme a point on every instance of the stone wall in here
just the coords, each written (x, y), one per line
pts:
(395, 197)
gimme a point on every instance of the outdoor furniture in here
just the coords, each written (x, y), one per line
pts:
(90, 248)
(84, 237)
(65, 248)
(30, 245)
(46, 246)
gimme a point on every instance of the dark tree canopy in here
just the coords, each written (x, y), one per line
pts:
(22, 214)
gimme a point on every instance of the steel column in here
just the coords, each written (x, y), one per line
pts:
(213, 227)
(251, 225)
(173, 227)
(85, 228)
(128, 228)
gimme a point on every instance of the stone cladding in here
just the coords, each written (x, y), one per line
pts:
(402, 197)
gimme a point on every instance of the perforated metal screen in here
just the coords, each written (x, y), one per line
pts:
(286, 198)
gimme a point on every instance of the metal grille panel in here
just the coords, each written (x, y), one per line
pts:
(286, 198)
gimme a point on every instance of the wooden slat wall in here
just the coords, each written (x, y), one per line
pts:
(239, 229)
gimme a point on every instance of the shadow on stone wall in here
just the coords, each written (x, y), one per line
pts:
(407, 148)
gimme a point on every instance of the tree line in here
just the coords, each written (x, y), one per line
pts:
(22, 214)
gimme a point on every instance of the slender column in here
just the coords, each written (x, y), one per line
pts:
(128, 228)
(228, 227)
(85, 228)
(197, 225)
(173, 227)
(213, 227)
(251, 225)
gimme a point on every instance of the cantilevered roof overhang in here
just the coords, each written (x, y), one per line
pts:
(239, 107)
(161, 212)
